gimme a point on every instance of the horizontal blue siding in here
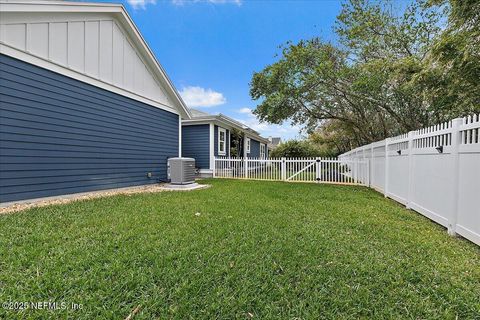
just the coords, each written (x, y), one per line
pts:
(254, 148)
(196, 144)
(227, 150)
(59, 135)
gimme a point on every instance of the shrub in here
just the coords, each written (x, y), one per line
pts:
(295, 149)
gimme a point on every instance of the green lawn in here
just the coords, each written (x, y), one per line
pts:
(257, 249)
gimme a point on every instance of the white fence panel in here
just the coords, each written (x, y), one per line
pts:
(432, 186)
(435, 171)
(315, 170)
(468, 209)
(301, 169)
(378, 166)
(398, 161)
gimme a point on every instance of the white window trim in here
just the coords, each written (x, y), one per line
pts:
(248, 143)
(262, 151)
(224, 152)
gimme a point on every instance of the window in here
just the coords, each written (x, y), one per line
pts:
(262, 151)
(248, 145)
(222, 139)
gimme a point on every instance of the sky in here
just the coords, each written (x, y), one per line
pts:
(211, 48)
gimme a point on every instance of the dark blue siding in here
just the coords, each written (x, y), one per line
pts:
(254, 149)
(59, 135)
(216, 142)
(196, 144)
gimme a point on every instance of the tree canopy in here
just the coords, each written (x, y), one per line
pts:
(393, 70)
(296, 149)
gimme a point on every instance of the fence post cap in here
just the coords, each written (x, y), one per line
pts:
(457, 121)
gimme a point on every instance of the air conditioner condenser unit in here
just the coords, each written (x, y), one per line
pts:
(181, 170)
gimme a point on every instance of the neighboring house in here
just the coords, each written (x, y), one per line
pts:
(84, 104)
(274, 142)
(206, 136)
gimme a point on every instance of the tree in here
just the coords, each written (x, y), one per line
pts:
(385, 77)
(451, 80)
(295, 149)
(333, 138)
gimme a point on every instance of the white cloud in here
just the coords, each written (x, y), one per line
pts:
(140, 3)
(182, 2)
(237, 2)
(245, 111)
(200, 97)
(285, 131)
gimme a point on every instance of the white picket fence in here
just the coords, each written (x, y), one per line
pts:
(434, 171)
(317, 170)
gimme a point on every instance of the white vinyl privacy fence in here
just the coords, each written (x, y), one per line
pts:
(434, 171)
(317, 170)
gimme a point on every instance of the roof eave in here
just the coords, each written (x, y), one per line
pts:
(184, 110)
(112, 8)
(222, 119)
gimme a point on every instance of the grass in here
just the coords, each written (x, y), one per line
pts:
(257, 249)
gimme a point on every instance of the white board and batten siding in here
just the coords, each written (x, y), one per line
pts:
(95, 45)
(434, 171)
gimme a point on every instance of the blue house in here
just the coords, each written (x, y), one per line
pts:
(205, 136)
(84, 104)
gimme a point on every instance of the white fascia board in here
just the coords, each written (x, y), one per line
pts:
(197, 121)
(230, 120)
(239, 124)
(210, 120)
(121, 14)
(256, 137)
(218, 120)
(221, 119)
(247, 130)
(57, 6)
(160, 71)
(260, 139)
(226, 123)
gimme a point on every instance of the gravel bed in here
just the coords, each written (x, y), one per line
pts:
(42, 202)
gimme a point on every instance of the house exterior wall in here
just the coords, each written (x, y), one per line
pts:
(254, 149)
(196, 144)
(93, 44)
(215, 136)
(59, 135)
